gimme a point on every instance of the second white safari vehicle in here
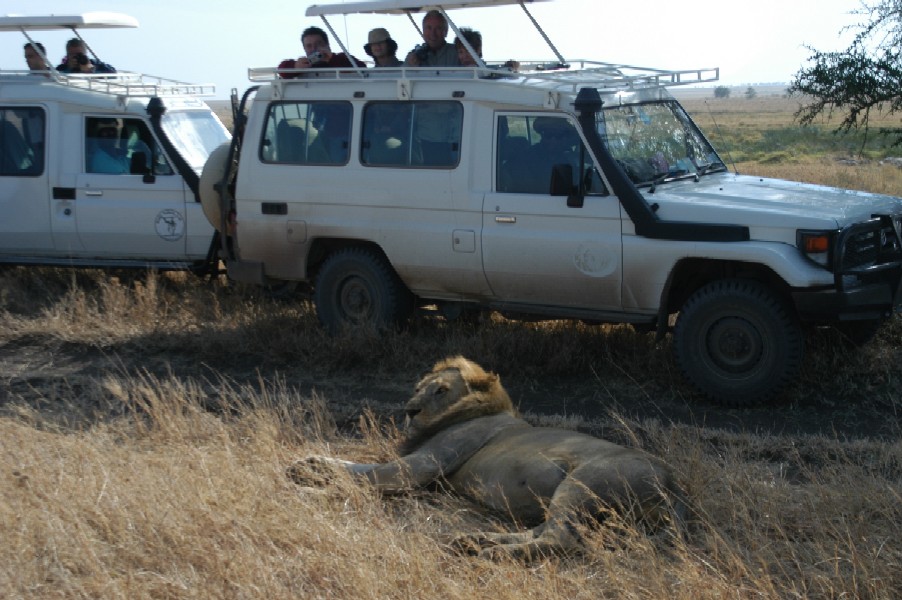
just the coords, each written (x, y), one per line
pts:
(102, 169)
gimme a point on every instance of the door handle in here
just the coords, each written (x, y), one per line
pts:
(93, 192)
(505, 219)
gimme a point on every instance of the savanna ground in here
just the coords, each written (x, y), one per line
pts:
(146, 423)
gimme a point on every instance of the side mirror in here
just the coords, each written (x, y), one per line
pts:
(562, 185)
(138, 166)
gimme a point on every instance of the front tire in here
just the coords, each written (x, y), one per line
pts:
(357, 287)
(737, 342)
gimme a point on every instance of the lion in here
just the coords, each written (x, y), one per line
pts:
(464, 433)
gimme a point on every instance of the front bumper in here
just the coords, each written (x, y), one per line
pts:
(867, 265)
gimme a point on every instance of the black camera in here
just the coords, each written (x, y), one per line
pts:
(81, 59)
(422, 52)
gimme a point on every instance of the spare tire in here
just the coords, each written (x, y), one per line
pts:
(214, 170)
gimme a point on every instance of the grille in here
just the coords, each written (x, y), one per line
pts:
(872, 243)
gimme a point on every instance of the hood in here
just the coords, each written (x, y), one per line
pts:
(762, 202)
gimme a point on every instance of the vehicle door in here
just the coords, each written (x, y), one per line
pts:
(129, 201)
(537, 249)
(24, 189)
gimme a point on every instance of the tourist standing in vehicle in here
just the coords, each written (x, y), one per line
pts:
(34, 56)
(474, 38)
(435, 51)
(318, 54)
(77, 60)
(382, 48)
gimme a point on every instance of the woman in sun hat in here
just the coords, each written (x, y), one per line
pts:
(382, 48)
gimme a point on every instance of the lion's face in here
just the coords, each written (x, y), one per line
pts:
(434, 395)
(456, 390)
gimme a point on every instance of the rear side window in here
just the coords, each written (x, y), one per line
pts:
(412, 134)
(307, 133)
(21, 141)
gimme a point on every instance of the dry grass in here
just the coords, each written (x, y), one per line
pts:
(146, 423)
(174, 501)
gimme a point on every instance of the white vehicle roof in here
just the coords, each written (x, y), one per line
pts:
(400, 7)
(89, 20)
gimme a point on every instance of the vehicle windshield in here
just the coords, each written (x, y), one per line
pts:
(195, 134)
(656, 142)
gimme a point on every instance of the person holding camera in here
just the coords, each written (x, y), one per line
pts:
(382, 48)
(77, 61)
(435, 51)
(318, 55)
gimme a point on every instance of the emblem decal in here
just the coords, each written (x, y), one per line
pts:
(170, 225)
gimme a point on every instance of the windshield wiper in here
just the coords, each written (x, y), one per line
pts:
(664, 177)
(710, 167)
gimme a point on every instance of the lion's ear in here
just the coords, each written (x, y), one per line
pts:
(483, 383)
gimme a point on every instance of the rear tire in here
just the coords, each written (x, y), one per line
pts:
(356, 287)
(737, 342)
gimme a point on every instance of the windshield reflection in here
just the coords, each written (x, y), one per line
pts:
(656, 142)
(195, 134)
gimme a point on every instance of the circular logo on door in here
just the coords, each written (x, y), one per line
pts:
(170, 225)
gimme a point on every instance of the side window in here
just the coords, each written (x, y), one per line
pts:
(528, 148)
(21, 141)
(117, 146)
(314, 133)
(411, 134)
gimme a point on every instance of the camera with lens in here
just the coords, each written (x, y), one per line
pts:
(421, 52)
(81, 58)
(315, 57)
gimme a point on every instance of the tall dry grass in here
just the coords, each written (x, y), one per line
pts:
(171, 500)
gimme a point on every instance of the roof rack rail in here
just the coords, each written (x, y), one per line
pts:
(121, 83)
(551, 75)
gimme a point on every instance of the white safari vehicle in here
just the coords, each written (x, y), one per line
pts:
(570, 189)
(64, 200)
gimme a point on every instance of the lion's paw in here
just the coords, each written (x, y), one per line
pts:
(470, 545)
(314, 471)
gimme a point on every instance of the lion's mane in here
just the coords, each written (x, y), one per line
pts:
(485, 396)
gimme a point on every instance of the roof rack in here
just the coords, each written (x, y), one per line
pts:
(569, 77)
(121, 83)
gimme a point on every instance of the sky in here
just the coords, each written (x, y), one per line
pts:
(205, 41)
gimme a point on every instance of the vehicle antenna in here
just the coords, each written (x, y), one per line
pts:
(719, 135)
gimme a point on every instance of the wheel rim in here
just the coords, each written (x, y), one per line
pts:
(734, 345)
(355, 299)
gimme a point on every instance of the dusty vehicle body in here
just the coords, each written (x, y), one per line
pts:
(61, 208)
(443, 193)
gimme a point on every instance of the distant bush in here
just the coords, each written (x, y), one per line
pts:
(750, 92)
(721, 91)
